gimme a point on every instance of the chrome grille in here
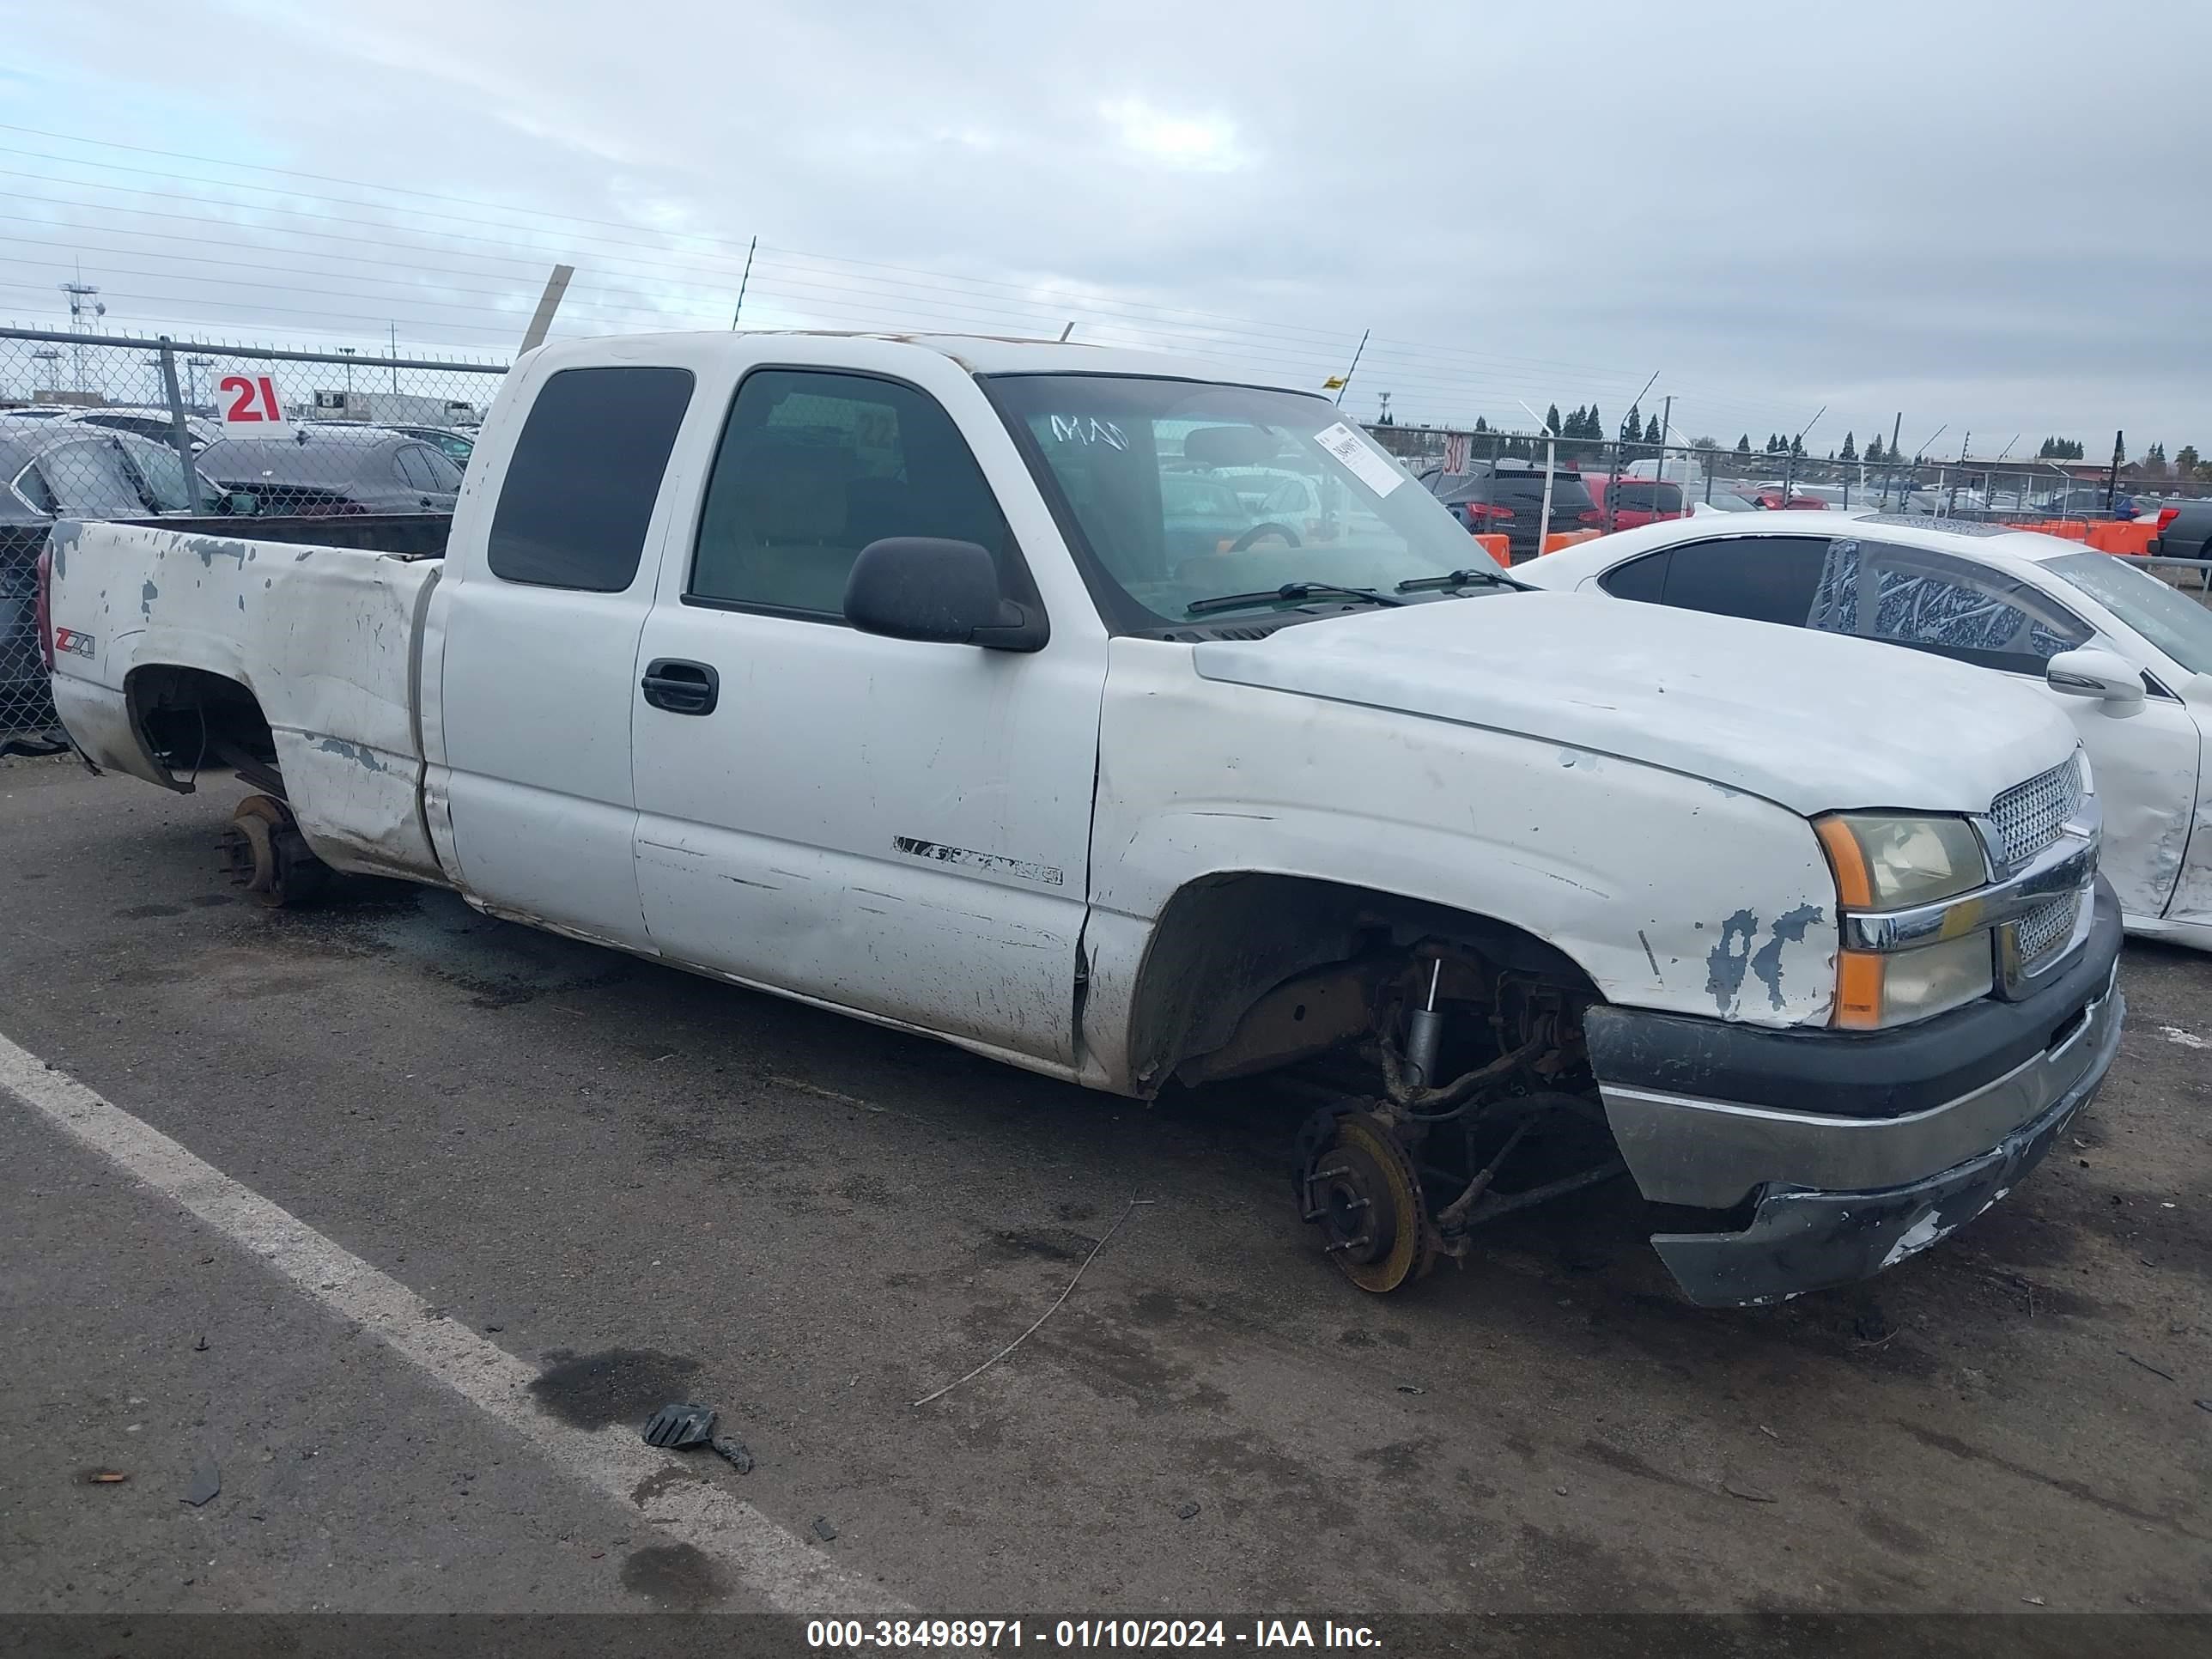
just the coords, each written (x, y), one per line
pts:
(2042, 932)
(2029, 815)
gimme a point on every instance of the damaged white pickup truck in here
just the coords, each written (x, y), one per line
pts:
(1133, 727)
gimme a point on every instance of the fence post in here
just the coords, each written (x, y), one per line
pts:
(180, 433)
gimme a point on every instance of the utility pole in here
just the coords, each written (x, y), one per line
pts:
(2112, 478)
(82, 296)
(395, 352)
(1896, 428)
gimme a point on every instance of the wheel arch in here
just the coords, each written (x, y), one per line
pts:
(1224, 940)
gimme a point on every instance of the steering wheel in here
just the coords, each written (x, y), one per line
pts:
(1268, 527)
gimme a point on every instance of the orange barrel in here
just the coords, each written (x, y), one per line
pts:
(1558, 539)
(1497, 547)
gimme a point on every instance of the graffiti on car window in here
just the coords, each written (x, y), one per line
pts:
(1925, 608)
(1087, 430)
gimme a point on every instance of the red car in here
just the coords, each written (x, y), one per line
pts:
(1772, 501)
(1635, 501)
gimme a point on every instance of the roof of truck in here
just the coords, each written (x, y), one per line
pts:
(988, 353)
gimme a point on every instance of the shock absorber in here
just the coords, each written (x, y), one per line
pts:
(1424, 1033)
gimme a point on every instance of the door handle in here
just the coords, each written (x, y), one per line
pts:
(681, 687)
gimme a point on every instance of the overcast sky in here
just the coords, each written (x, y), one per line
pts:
(1990, 218)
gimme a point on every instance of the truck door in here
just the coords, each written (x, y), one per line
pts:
(890, 826)
(537, 661)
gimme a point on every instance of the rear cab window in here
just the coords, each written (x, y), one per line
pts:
(584, 475)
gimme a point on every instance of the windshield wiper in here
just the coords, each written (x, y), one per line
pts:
(1289, 592)
(1463, 578)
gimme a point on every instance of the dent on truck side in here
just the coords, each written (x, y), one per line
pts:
(1666, 891)
(322, 638)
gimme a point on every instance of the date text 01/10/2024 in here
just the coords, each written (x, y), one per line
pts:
(855, 1635)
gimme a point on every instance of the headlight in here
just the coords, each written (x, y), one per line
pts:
(1883, 861)
(1886, 863)
(1876, 991)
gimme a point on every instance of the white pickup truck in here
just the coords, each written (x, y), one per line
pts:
(1131, 726)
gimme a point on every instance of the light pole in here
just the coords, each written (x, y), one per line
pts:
(348, 353)
(192, 367)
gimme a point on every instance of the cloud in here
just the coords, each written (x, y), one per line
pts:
(1204, 144)
(1772, 211)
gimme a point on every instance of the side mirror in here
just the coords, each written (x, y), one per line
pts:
(2094, 673)
(241, 504)
(922, 587)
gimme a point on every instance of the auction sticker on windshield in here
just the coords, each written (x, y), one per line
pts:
(1363, 463)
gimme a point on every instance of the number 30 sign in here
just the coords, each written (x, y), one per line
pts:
(250, 408)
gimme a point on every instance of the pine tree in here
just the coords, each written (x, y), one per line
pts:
(2186, 460)
(1743, 445)
(1797, 449)
(1481, 425)
(1653, 432)
(1594, 428)
(1849, 450)
(1874, 449)
(1631, 428)
(1552, 419)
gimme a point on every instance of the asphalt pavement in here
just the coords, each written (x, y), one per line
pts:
(553, 1188)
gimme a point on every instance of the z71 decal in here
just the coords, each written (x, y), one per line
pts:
(996, 863)
(74, 640)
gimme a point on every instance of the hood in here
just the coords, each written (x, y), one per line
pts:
(1817, 722)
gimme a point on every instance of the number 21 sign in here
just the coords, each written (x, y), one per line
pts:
(249, 407)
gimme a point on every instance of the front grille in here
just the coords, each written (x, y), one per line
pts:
(2029, 815)
(2042, 932)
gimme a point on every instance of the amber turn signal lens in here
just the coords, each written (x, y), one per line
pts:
(1858, 990)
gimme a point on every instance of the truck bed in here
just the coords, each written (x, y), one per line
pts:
(324, 638)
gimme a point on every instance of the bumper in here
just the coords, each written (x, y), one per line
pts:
(1859, 1169)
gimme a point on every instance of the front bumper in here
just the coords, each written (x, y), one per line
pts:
(1882, 1172)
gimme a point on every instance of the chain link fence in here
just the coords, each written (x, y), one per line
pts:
(138, 430)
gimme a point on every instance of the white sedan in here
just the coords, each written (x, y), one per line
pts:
(2129, 658)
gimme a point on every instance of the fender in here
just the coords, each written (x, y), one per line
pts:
(1666, 891)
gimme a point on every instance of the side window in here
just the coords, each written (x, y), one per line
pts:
(1950, 607)
(1764, 578)
(87, 479)
(813, 467)
(1644, 579)
(413, 463)
(585, 474)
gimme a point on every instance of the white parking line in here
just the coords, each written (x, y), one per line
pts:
(775, 1566)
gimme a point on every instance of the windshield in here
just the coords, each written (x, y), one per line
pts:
(2169, 619)
(1185, 491)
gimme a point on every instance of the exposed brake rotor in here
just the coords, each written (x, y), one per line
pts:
(1358, 1185)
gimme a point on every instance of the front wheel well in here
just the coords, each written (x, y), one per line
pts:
(187, 718)
(1225, 942)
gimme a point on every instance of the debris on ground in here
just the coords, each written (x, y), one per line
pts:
(1872, 1326)
(733, 1453)
(105, 1477)
(2033, 1600)
(1187, 1512)
(680, 1427)
(2154, 1370)
(1127, 1210)
(1410, 1387)
(822, 1529)
(1749, 1494)
(200, 1346)
(207, 1482)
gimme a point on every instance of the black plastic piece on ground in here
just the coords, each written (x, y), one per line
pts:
(733, 1453)
(679, 1428)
